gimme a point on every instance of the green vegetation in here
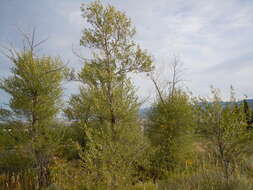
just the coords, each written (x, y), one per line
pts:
(29, 132)
(183, 142)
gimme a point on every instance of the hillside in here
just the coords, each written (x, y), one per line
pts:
(143, 111)
(250, 103)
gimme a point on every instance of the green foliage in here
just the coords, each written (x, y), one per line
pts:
(105, 144)
(29, 133)
(248, 113)
(110, 161)
(106, 109)
(169, 128)
(111, 34)
(225, 130)
(34, 77)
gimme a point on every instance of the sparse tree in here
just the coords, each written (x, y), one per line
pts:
(170, 123)
(224, 127)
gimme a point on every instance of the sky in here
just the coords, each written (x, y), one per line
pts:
(213, 38)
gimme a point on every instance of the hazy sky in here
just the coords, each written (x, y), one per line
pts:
(214, 38)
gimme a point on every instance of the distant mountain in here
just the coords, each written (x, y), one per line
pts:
(250, 103)
(143, 111)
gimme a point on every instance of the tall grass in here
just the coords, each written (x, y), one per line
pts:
(202, 174)
(25, 180)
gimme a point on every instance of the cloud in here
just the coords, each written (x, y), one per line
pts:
(214, 38)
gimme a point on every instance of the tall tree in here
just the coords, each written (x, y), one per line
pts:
(34, 87)
(107, 106)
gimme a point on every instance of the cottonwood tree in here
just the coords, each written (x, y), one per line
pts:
(106, 106)
(35, 90)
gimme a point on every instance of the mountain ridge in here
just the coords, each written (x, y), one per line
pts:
(143, 111)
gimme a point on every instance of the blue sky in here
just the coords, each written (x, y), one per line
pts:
(213, 38)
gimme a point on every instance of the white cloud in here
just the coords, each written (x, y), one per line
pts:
(207, 34)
